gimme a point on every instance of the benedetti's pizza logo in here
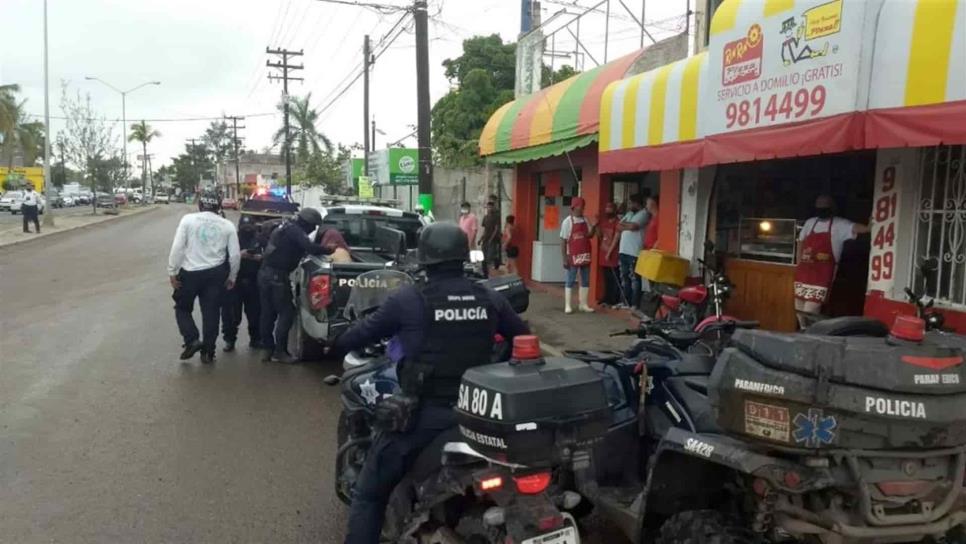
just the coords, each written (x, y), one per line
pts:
(742, 58)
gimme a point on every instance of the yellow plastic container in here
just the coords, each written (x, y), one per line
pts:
(662, 267)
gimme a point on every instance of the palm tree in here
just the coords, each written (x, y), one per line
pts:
(144, 133)
(302, 131)
(15, 130)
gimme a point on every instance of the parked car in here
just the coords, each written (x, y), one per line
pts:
(7, 199)
(83, 199)
(162, 199)
(120, 199)
(229, 203)
(106, 200)
(17, 205)
(55, 199)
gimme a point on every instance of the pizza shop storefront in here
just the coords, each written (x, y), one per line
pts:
(799, 99)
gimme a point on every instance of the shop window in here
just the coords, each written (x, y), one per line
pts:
(941, 223)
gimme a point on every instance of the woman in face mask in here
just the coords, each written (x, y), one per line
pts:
(469, 224)
(820, 245)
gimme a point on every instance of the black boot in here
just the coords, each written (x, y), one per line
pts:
(229, 346)
(282, 357)
(190, 349)
(207, 357)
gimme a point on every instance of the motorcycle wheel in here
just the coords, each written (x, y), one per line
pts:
(343, 486)
(474, 531)
(705, 527)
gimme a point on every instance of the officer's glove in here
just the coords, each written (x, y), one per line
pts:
(396, 414)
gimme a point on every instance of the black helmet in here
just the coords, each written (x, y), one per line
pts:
(310, 216)
(209, 201)
(442, 242)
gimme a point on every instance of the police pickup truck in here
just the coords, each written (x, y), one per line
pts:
(322, 287)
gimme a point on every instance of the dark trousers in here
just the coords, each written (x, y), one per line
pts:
(30, 214)
(208, 286)
(242, 299)
(612, 290)
(492, 256)
(277, 310)
(389, 458)
(630, 281)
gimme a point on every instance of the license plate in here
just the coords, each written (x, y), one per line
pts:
(567, 535)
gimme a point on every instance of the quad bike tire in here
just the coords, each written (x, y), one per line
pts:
(705, 527)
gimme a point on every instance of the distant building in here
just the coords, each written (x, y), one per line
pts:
(253, 168)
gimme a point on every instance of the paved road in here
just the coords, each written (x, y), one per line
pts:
(7, 218)
(106, 437)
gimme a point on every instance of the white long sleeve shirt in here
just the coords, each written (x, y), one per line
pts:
(30, 198)
(202, 241)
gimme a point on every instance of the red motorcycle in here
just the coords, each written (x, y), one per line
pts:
(696, 307)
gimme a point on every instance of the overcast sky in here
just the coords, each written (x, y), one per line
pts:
(210, 57)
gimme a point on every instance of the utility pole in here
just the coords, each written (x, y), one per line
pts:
(422, 106)
(194, 164)
(49, 216)
(366, 59)
(63, 160)
(285, 67)
(234, 127)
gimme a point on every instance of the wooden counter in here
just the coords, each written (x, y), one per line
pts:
(763, 292)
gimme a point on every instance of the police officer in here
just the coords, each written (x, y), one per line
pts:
(243, 299)
(287, 245)
(203, 262)
(445, 327)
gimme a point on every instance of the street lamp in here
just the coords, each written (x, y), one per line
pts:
(123, 111)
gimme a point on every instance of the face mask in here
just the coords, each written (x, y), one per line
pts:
(823, 213)
(464, 211)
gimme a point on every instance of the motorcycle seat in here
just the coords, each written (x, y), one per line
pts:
(849, 326)
(682, 339)
(691, 363)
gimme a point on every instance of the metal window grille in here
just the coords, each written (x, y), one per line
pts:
(941, 224)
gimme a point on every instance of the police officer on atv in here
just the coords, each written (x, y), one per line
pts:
(445, 326)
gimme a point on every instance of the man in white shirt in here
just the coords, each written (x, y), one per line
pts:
(30, 208)
(203, 262)
(631, 228)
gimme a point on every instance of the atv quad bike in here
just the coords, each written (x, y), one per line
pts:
(785, 438)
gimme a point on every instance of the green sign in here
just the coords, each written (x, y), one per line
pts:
(365, 188)
(394, 166)
(353, 168)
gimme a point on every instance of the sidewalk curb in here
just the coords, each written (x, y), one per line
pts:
(134, 213)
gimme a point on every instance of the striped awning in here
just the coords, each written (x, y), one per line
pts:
(559, 118)
(917, 95)
(650, 121)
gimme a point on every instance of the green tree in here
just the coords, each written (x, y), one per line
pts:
(549, 77)
(190, 166)
(17, 133)
(482, 80)
(218, 139)
(88, 139)
(303, 132)
(324, 168)
(144, 133)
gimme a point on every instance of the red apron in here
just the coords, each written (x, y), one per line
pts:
(578, 244)
(816, 269)
(608, 231)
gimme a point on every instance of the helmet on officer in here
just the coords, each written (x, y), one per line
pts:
(309, 219)
(209, 201)
(442, 243)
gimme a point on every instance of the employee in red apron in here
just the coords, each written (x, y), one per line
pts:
(576, 232)
(820, 245)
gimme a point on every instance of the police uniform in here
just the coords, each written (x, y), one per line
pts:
(287, 245)
(445, 327)
(243, 299)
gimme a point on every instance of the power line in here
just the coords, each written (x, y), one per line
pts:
(359, 75)
(168, 120)
(381, 8)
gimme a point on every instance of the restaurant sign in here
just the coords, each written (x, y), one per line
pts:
(783, 66)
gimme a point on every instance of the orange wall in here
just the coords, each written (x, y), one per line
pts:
(525, 201)
(670, 207)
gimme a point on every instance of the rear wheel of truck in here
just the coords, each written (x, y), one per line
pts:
(705, 527)
(306, 348)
